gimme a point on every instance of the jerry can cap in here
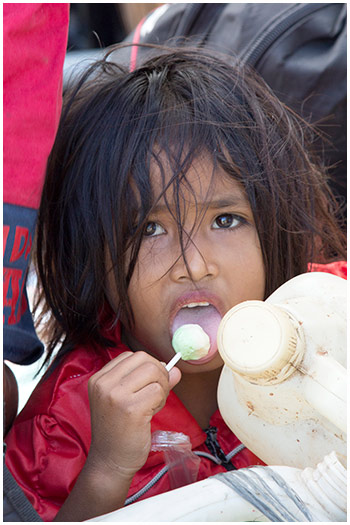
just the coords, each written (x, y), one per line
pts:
(259, 341)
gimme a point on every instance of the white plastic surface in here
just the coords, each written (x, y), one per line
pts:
(212, 500)
(259, 341)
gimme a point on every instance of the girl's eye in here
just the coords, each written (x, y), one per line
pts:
(153, 229)
(227, 220)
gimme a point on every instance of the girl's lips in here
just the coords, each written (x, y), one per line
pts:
(198, 296)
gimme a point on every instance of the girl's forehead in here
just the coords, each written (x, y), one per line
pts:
(202, 183)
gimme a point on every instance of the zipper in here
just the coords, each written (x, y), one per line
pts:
(276, 27)
(215, 449)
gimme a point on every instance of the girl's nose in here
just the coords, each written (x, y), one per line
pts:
(197, 263)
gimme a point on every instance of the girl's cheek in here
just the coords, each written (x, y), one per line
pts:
(156, 255)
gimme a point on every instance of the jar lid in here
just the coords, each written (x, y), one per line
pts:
(259, 341)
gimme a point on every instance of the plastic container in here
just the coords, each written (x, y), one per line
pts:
(282, 390)
(248, 495)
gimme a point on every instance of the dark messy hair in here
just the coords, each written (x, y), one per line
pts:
(178, 106)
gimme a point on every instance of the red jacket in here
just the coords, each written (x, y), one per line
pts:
(49, 442)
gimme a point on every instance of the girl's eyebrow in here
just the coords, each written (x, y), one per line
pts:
(232, 200)
(220, 202)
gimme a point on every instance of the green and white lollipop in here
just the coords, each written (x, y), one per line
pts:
(190, 342)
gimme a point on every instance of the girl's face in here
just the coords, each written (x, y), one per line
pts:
(224, 258)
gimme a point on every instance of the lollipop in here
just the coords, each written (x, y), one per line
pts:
(190, 342)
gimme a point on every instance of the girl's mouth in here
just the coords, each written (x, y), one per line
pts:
(203, 314)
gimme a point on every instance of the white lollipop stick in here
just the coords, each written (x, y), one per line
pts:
(173, 362)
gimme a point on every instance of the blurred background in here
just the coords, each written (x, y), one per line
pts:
(93, 27)
(101, 25)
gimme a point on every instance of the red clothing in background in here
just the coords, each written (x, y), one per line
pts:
(35, 39)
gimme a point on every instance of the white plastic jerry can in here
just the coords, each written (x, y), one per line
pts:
(282, 390)
(256, 494)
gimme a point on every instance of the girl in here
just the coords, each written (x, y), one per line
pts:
(173, 193)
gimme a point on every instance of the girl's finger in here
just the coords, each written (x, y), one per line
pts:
(174, 377)
(150, 399)
(133, 370)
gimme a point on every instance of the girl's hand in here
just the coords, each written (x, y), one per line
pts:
(124, 395)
